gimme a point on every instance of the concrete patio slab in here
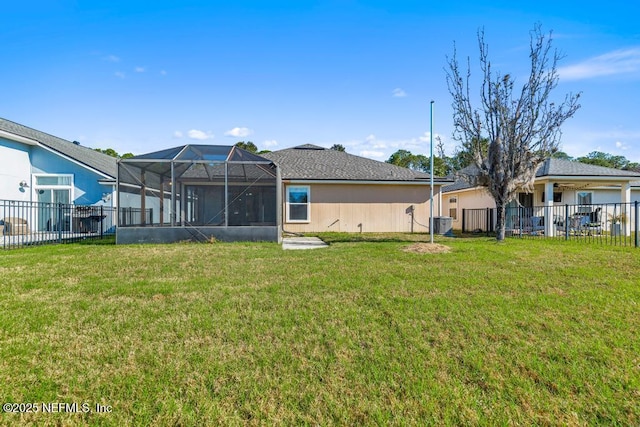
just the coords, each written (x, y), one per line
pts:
(302, 243)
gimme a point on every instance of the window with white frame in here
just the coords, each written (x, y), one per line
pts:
(298, 202)
(584, 199)
(52, 188)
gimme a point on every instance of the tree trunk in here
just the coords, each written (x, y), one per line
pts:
(501, 210)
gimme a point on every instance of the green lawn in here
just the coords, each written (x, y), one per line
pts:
(523, 332)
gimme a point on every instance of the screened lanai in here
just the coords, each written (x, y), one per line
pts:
(196, 192)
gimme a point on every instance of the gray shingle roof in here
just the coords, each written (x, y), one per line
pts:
(560, 167)
(311, 162)
(87, 156)
(556, 168)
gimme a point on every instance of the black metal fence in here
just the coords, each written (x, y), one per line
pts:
(132, 217)
(34, 223)
(606, 223)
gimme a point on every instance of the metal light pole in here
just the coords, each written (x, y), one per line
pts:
(431, 171)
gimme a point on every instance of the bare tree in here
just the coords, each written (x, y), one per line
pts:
(522, 126)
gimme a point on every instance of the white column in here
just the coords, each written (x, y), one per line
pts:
(549, 228)
(625, 199)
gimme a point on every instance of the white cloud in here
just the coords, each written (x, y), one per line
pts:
(238, 132)
(370, 138)
(199, 134)
(399, 93)
(270, 143)
(621, 145)
(178, 134)
(139, 69)
(580, 142)
(120, 74)
(371, 153)
(111, 58)
(622, 61)
(163, 73)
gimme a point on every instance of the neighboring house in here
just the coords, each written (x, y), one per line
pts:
(329, 190)
(38, 167)
(557, 182)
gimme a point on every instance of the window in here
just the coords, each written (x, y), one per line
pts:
(584, 198)
(557, 197)
(52, 190)
(298, 204)
(54, 180)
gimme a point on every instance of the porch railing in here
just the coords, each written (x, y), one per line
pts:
(609, 223)
(24, 223)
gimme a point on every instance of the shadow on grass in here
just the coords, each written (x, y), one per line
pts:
(374, 237)
(95, 241)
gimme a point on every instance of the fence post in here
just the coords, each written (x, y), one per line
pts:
(101, 222)
(637, 222)
(486, 220)
(464, 222)
(59, 223)
(566, 222)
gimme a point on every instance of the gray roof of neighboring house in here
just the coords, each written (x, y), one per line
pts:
(311, 162)
(556, 167)
(87, 156)
(561, 167)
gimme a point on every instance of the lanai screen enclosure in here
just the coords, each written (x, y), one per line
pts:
(196, 192)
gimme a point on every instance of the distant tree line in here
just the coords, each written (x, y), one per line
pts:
(447, 165)
(113, 153)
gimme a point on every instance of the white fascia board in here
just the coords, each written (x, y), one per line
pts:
(72, 160)
(582, 178)
(18, 138)
(466, 190)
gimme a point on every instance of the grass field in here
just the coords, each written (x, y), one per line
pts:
(523, 332)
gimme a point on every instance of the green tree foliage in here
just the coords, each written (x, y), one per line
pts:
(463, 156)
(338, 147)
(248, 146)
(607, 160)
(113, 153)
(561, 155)
(419, 162)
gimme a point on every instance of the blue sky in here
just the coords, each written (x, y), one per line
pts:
(139, 76)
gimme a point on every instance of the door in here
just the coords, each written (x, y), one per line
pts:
(51, 217)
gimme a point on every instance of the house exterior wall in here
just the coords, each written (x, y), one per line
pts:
(475, 198)
(364, 208)
(19, 162)
(15, 167)
(87, 190)
(479, 198)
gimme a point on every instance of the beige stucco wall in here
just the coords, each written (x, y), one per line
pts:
(475, 198)
(365, 208)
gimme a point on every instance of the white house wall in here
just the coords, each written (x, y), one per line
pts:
(15, 167)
